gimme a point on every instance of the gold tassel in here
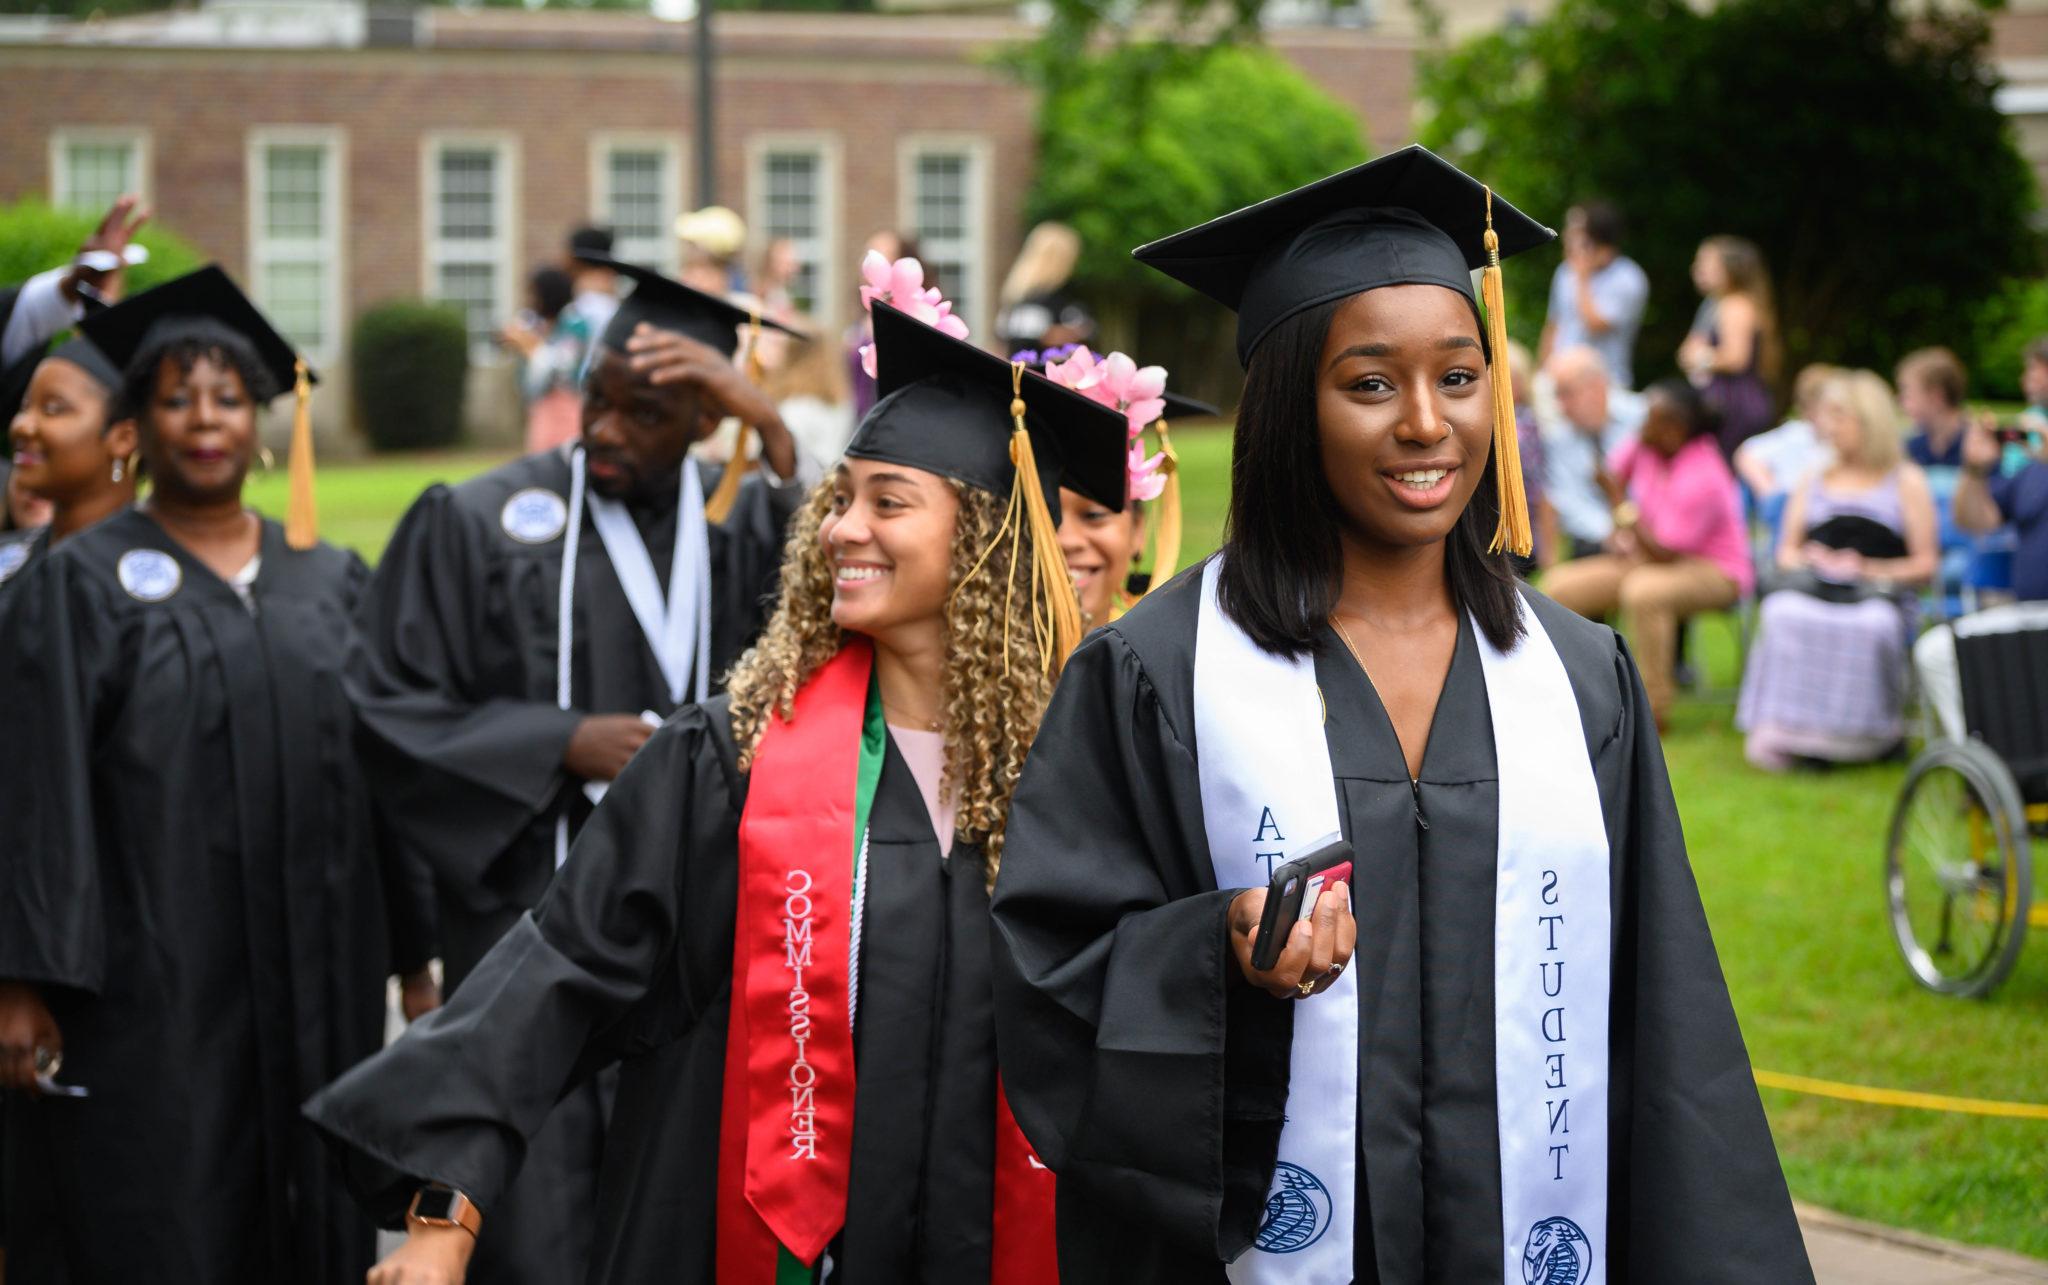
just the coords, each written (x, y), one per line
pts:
(1055, 611)
(301, 518)
(1166, 543)
(728, 489)
(1512, 533)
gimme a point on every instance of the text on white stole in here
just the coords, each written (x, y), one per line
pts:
(1552, 1024)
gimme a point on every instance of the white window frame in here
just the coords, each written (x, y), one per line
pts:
(674, 156)
(830, 308)
(980, 151)
(502, 247)
(329, 249)
(63, 138)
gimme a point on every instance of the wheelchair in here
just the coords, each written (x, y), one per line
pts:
(1959, 861)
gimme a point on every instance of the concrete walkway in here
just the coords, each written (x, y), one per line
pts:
(1848, 1252)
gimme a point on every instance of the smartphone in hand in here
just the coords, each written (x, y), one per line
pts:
(1292, 893)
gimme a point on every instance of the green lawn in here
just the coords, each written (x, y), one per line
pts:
(1790, 869)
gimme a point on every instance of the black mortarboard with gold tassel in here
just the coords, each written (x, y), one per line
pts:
(209, 295)
(1408, 218)
(668, 304)
(947, 407)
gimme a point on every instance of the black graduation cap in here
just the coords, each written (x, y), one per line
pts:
(1408, 218)
(1178, 407)
(591, 244)
(209, 294)
(86, 355)
(668, 304)
(943, 405)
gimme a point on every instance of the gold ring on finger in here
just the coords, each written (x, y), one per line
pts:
(1306, 988)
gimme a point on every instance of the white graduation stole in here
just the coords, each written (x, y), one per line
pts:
(678, 630)
(1268, 793)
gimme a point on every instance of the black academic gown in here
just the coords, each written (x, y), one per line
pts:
(457, 687)
(19, 550)
(190, 874)
(628, 959)
(1153, 1078)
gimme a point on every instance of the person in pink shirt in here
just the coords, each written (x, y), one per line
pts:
(1679, 546)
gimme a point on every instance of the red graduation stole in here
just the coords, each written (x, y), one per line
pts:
(785, 1141)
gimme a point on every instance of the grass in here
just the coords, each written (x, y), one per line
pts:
(1790, 869)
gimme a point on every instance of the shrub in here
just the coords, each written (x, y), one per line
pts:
(410, 367)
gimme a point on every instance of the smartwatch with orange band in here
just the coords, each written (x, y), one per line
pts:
(438, 1206)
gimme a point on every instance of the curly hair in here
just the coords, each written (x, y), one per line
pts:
(995, 683)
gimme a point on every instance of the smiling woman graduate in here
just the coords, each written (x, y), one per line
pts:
(1518, 1062)
(777, 920)
(196, 920)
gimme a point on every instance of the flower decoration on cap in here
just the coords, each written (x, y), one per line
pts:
(1120, 383)
(901, 286)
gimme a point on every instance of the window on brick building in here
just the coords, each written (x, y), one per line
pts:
(295, 244)
(469, 233)
(638, 191)
(946, 205)
(793, 183)
(90, 169)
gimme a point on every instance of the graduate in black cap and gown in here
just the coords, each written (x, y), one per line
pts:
(817, 841)
(503, 695)
(1499, 1048)
(197, 917)
(69, 450)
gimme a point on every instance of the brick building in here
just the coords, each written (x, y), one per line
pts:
(334, 157)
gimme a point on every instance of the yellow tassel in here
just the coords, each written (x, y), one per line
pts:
(1166, 543)
(301, 517)
(728, 489)
(1055, 611)
(1513, 533)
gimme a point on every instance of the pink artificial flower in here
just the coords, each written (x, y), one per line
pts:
(1148, 477)
(901, 286)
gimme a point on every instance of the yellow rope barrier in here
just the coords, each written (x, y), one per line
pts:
(1900, 1097)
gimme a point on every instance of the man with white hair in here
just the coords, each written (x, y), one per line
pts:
(1593, 419)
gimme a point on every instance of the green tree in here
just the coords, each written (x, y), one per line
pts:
(1857, 144)
(1141, 141)
(34, 236)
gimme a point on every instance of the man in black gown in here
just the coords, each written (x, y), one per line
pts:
(487, 755)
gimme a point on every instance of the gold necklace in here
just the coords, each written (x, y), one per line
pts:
(1352, 647)
(926, 724)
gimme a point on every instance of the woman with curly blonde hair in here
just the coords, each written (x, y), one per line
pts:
(789, 881)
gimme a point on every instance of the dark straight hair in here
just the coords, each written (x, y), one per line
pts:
(1282, 560)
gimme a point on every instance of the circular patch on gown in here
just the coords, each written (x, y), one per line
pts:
(534, 516)
(12, 558)
(149, 575)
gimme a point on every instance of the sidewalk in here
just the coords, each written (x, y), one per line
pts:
(1848, 1252)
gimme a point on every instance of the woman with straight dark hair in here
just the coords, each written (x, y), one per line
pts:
(1511, 1057)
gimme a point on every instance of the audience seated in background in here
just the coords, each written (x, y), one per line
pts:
(1679, 544)
(1826, 675)
(1932, 383)
(1594, 420)
(1775, 461)
(1986, 500)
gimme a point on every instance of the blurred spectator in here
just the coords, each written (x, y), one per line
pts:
(1732, 351)
(1826, 677)
(1595, 419)
(892, 246)
(1679, 545)
(551, 343)
(33, 312)
(808, 385)
(1034, 309)
(1985, 501)
(712, 240)
(1932, 383)
(2034, 387)
(1598, 293)
(1775, 461)
(1529, 437)
(774, 278)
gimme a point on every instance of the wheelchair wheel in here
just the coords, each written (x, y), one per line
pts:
(1958, 870)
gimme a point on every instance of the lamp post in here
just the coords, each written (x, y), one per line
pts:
(707, 147)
